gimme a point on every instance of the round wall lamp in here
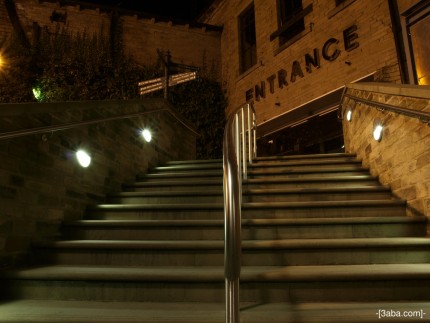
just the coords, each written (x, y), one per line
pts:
(83, 158)
(349, 115)
(377, 130)
(146, 134)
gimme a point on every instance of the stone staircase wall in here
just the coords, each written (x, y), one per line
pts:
(41, 183)
(402, 158)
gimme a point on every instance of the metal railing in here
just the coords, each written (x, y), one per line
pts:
(420, 115)
(239, 149)
(70, 125)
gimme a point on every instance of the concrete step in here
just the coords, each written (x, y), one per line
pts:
(253, 195)
(299, 171)
(52, 311)
(291, 172)
(203, 184)
(271, 182)
(349, 227)
(310, 157)
(174, 185)
(322, 209)
(259, 165)
(196, 162)
(213, 211)
(338, 283)
(188, 167)
(340, 161)
(281, 252)
(185, 175)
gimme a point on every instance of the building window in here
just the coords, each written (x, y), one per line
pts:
(340, 5)
(288, 11)
(248, 43)
(416, 31)
(291, 20)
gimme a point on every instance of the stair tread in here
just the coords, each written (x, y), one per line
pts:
(194, 161)
(188, 182)
(328, 190)
(307, 156)
(249, 222)
(48, 311)
(373, 272)
(277, 179)
(253, 205)
(278, 170)
(307, 169)
(339, 243)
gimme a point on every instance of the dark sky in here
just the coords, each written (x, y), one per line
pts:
(188, 10)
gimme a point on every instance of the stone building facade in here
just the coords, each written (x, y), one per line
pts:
(293, 58)
(141, 34)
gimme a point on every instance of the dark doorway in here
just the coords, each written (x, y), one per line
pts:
(316, 135)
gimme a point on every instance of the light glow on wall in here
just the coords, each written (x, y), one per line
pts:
(146, 134)
(377, 132)
(83, 158)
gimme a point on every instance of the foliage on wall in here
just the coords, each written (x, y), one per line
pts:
(65, 67)
(203, 103)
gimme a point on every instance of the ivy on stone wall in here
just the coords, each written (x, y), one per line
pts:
(203, 103)
(65, 67)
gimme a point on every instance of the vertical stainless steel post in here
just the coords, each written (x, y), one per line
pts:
(232, 297)
(235, 151)
(249, 132)
(237, 138)
(243, 156)
(254, 135)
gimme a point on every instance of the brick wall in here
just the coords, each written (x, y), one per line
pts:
(402, 158)
(376, 50)
(40, 182)
(197, 46)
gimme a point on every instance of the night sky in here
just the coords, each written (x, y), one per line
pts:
(188, 10)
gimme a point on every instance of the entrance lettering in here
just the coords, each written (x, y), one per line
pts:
(330, 51)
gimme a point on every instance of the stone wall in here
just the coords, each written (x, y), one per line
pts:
(402, 158)
(196, 45)
(41, 183)
(373, 36)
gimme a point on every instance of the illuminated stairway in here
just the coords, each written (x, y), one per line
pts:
(323, 241)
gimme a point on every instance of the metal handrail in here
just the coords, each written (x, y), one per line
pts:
(239, 149)
(71, 125)
(420, 115)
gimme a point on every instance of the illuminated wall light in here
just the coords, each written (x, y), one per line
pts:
(146, 134)
(83, 158)
(377, 132)
(349, 115)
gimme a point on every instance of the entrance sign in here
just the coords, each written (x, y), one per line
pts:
(168, 80)
(330, 52)
(159, 83)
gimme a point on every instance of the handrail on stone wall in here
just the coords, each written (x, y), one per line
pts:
(239, 149)
(77, 124)
(420, 115)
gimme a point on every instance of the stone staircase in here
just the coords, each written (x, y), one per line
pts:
(323, 241)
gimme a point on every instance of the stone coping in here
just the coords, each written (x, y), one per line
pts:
(408, 90)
